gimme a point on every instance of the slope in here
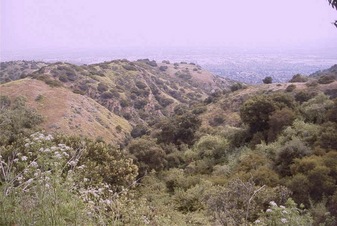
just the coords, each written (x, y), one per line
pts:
(66, 112)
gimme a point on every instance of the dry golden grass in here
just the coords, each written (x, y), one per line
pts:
(66, 112)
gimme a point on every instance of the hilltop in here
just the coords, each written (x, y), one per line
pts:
(140, 92)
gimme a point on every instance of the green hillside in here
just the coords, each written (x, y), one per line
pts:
(148, 143)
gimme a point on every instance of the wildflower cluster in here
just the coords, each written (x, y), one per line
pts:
(284, 215)
(58, 178)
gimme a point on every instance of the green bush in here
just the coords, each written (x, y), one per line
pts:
(326, 79)
(267, 80)
(298, 78)
(290, 88)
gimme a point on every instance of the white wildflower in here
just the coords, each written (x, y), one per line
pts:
(15, 160)
(30, 180)
(284, 220)
(283, 207)
(47, 186)
(272, 203)
(284, 211)
(58, 155)
(72, 163)
(46, 150)
(24, 158)
(34, 164)
(53, 148)
(257, 221)
(91, 202)
(36, 174)
(81, 167)
(269, 210)
(65, 154)
(85, 179)
(49, 137)
(26, 145)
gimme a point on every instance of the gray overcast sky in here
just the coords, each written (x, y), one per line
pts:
(89, 24)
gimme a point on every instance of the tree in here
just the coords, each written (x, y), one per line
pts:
(267, 80)
(333, 4)
(256, 111)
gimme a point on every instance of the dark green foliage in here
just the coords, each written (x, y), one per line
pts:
(303, 96)
(326, 79)
(290, 88)
(5, 102)
(163, 101)
(328, 136)
(63, 78)
(331, 114)
(140, 85)
(183, 75)
(267, 80)
(147, 155)
(103, 162)
(180, 129)
(287, 154)
(163, 68)
(124, 103)
(16, 120)
(278, 120)
(217, 120)
(298, 78)
(180, 109)
(107, 95)
(139, 131)
(199, 110)
(101, 87)
(256, 111)
(236, 87)
(139, 104)
(129, 67)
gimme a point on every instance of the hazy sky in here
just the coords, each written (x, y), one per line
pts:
(35, 25)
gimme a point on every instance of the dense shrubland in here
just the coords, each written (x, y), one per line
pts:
(276, 165)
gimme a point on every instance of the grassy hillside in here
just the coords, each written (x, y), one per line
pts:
(197, 149)
(68, 113)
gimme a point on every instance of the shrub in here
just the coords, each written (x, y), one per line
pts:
(147, 155)
(107, 95)
(101, 87)
(236, 87)
(290, 88)
(326, 79)
(267, 80)
(163, 68)
(141, 85)
(139, 104)
(129, 67)
(298, 78)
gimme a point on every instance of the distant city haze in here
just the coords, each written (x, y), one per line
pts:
(86, 25)
(225, 36)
